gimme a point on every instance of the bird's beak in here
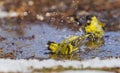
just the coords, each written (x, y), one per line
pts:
(46, 45)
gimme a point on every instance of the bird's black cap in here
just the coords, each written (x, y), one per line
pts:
(49, 42)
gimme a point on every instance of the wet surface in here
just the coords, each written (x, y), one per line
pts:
(32, 43)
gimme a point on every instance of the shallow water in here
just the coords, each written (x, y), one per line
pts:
(32, 43)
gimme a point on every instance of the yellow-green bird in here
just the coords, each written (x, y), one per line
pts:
(67, 46)
(93, 28)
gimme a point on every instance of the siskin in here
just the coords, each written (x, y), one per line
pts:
(93, 29)
(67, 46)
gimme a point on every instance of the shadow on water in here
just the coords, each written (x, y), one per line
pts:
(32, 43)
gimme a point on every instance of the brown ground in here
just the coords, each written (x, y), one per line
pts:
(61, 13)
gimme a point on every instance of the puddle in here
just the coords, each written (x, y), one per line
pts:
(32, 43)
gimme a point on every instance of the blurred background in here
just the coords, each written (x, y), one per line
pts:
(58, 12)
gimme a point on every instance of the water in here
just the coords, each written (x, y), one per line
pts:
(32, 43)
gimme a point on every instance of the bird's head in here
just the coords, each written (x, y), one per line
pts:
(93, 26)
(52, 46)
